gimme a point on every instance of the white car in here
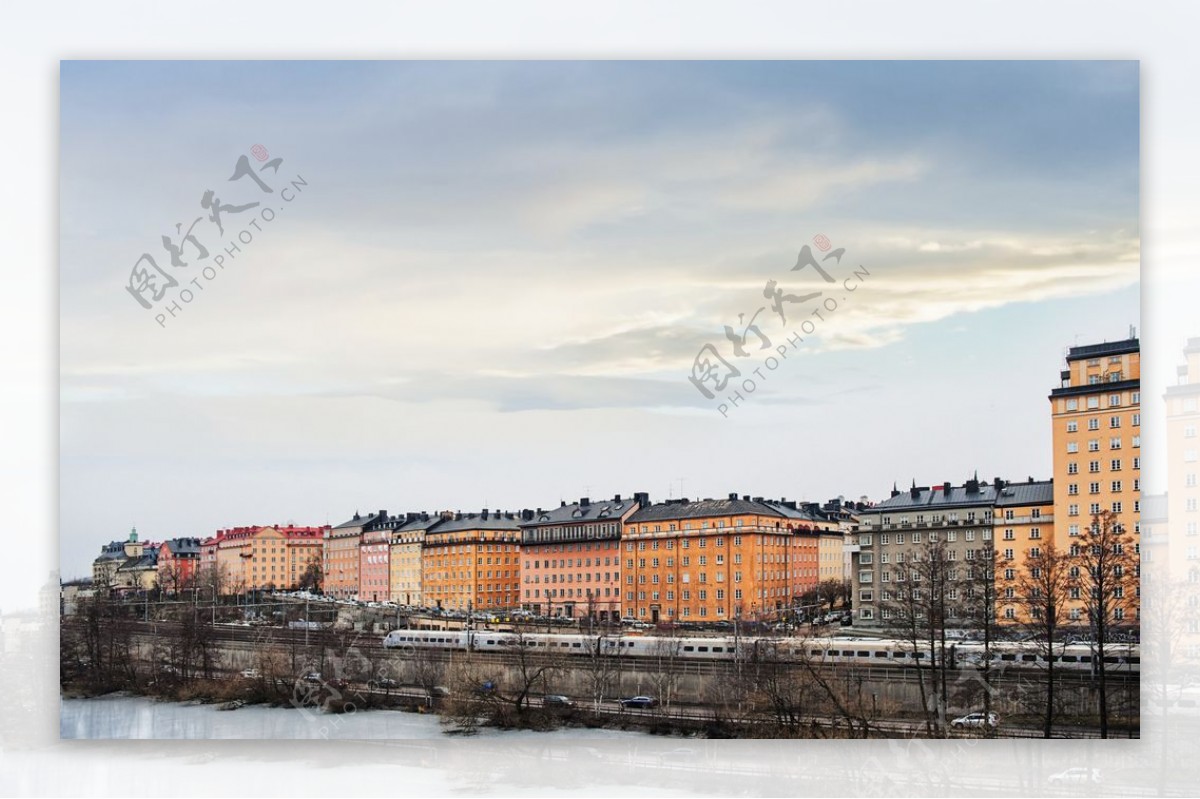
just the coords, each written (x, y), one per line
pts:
(976, 720)
(251, 674)
(1076, 776)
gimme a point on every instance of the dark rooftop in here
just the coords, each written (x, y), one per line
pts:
(1100, 350)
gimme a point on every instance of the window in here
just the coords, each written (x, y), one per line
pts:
(1114, 443)
(1093, 424)
(1094, 445)
(1072, 446)
(1072, 427)
(1072, 468)
(1093, 402)
(1009, 535)
(866, 576)
(1072, 405)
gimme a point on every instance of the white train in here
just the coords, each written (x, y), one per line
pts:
(858, 651)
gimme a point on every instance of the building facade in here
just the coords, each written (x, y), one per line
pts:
(1096, 424)
(404, 559)
(473, 562)
(373, 558)
(893, 537)
(713, 560)
(571, 558)
(342, 556)
(178, 564)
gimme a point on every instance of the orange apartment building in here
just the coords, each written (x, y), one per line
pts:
(266, 558)
(472, 562)
(1024, 522)
(1096, 422)
(342, 554)
(713, 560)
(571, 558)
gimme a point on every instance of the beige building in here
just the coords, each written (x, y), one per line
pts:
(130, 564)
(404, 583)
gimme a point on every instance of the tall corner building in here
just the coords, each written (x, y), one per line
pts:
(1096, 417)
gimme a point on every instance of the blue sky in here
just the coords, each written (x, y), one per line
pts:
(494, 285)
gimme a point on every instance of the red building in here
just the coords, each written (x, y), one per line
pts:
(178, 564)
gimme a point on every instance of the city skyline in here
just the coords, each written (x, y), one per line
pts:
(494, 285)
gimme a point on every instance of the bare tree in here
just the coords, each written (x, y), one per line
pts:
(978, 596)
(313, 576)
(603, 668)
(1107, 576)
(918, 611)
(1038, 590)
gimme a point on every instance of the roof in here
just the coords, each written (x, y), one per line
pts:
(362, 520)
(418, 524)
(183, 547)
(1037, 492)
(475, 521)
(937, 497)
(1100, 350)
(584, 511)
(689, 509)
(804, 512)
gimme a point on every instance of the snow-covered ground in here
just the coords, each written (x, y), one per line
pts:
(126, 717)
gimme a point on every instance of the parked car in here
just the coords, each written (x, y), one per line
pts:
(643, 702)
(976, 720)
(557, 700)
(251, 674)
(440, 690)
(1076, 776)
(383, 682)
(312, 676)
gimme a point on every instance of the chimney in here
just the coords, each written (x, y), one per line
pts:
(946, 488)
(642, 498)
(562, 503)
(745, 497)
(383, 513)
(484, 515)
(998, 484)
(733, 495)
(914, 492)
(617, 498)
(895, 491)
(973, 485)
(584, 502)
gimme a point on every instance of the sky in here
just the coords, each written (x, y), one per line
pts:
(493, 280)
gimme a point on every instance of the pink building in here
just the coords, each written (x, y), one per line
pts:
(373, 562)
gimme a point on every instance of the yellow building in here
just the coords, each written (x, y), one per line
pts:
(404, 563)
(1096, 427)
(830, 554)
(1024, 522)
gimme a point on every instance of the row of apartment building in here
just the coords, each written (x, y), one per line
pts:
(699, 560)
